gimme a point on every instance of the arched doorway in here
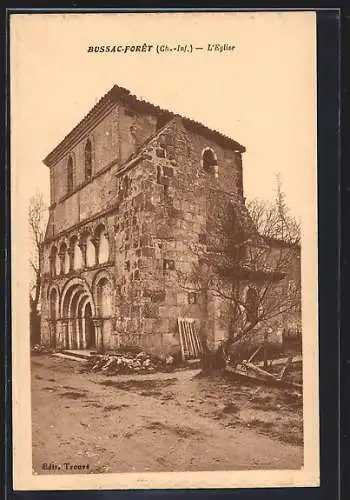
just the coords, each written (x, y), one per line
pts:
(103, 295)
(90, 333)
(53, 316)
(77, 309)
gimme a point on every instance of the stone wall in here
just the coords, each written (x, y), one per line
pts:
(105, 148)
(114, 139)
(160, 227)
(156, 225)
(154, 203)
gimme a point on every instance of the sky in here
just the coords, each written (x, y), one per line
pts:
(262, 94)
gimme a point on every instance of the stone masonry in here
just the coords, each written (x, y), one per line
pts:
(130, 186)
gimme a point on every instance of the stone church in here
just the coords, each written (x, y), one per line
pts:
(129, 189)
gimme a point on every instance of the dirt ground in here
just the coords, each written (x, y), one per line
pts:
(90, 423)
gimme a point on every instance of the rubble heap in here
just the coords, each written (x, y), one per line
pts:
(128, 362)
(41, 349)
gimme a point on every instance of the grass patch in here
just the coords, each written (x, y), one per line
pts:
(231, 408)
(73, 395)
(92, 405)
(150, 393)
(143, 385)
(181, 431)
(115, 407)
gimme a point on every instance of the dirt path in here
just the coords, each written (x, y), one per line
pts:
(169, 422)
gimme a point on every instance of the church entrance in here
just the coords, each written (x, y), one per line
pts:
(77, 312)
(89, 328)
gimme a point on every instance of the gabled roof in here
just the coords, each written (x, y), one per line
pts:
(121, 95)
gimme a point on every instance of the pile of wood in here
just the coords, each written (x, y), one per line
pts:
(246, 370)
(115, 363)
(41, 349)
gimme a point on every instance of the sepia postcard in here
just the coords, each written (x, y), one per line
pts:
(164, 250)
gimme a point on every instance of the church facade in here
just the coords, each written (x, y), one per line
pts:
(130, 187)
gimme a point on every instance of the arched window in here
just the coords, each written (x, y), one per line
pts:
(76, 258)
(104, 297)
(209, 159)
(252, 305)
(53, 304)
(64, 259)
(88, 160)
(54, 262)
(70, 175)
(102, 245)
(90, 252)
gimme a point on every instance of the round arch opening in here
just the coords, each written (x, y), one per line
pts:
(77, 311)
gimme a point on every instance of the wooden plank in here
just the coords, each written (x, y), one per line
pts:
(181, 339)
(198, 340)
(270, 382)
(188, 340)
(185, 338)
(254, 354)
(194, 340)
(261, 372)
(190, 334)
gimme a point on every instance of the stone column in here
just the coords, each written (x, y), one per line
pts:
(65, 334)
(59, 338)
(52, 332)
(95, 241)
(62, 255)
(82, 246)
(98, 325)
(83, 331)
(77, 332)
(52, 260)
(71, 258)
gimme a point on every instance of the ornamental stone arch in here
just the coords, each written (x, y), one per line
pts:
(102, 243)
(53, 300)
(103, 292)
(49, 290)
(77, 310)
(75, 254)
(87, 248)
(63, 252)
(54, 260)
(69, 287)
(103, 283)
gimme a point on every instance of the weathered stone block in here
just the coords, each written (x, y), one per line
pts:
(148, 252)
(148, 325)
(168, 171)
(161, 325)
(150, 310)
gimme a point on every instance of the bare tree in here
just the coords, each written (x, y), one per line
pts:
(37, 222)
(247, 257)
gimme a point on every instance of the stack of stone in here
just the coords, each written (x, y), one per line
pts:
(115, 363)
